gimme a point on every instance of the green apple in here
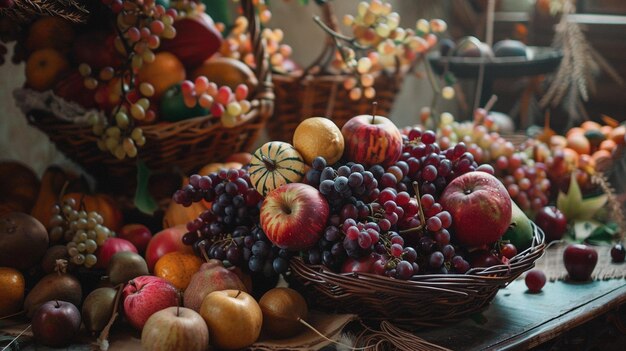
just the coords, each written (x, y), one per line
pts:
(173, 107)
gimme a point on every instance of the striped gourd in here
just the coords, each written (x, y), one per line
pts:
(274, 164)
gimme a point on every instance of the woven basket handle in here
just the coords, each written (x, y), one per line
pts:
(264, 94)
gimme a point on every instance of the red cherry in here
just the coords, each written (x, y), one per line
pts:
(535, 280)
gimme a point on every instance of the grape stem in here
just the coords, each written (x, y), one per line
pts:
(338, 36)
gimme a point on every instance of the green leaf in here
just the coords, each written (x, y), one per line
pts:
(218, 10)
(575, 207)
(583, 229)
(143, 200)
(602, 234)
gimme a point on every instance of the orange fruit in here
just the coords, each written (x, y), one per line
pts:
(575, 130)
(165, 71)
(571, 158)
(586, 163)
(318, 136)
(608, 145)
(44, 68)
(12, 286)
(50, 32)
(602, 160)
(617, 135)
(558, 142)
(177, 268)
(606, 130)
(579, 143)
(590, 125)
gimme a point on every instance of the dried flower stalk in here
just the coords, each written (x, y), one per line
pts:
(24, 11)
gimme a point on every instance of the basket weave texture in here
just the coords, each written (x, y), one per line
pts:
(423, 301)
(184, 145)
(316, 92)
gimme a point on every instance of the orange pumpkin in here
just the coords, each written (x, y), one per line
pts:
(101, 203)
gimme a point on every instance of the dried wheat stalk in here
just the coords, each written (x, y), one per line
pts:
(574, 81)
(24, 11)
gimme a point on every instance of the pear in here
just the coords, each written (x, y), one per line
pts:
(520, 231)
(212, 276)
(125, 266)
(98, 308)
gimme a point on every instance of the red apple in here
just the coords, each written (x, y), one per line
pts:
(72, 88)
(580, 260)
(56, 323)
(363, 264)
(110, 247)
(96, 49)
(138, 234)
(552, 221)
(480, 206)
(196, 40)
(166, 241)
(371, 140)
(234, 319)
(294, 215)
(186, 330)
(145, 295)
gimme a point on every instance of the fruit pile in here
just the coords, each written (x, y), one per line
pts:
(138, 62)
(365, 198)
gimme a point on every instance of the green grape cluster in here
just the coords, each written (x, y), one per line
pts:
(83, 231)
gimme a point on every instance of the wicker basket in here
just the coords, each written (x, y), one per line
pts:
(423, 301)
(316, 92)
(181, 146)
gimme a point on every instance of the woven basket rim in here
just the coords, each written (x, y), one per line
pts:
(494, 275)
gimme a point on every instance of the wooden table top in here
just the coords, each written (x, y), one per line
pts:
(517, 319)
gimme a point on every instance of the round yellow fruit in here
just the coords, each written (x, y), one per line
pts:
(12, 286)
(318, 136)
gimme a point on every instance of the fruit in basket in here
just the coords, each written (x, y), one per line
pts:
(44, 68)
(535, 280)
(102, 204)
(216, 166)
(98, 308)
(318, 136)
(294, 215)
(227, 71)
(54, 286)
(508, 47)
(12, 285)
(72, 88)
(124, 266)
(96, 49)
(196, 39)
(173, 106)
(54, 253)
(177, 268)
(520, 232)
(165, 71)
(580, 260)
(552, 221)
(234, 319)
(273, 164)
(138, 234)
(371, 140)
(50, 32)
(145, 295)
(186, 330)
(212, 276)
(618, 253)
(111, 247)
(179, 215)
(363, 264)
(166, 241)
(19, 187)
(282, 310)
(56, 323)
(23, 241)
(480, 207)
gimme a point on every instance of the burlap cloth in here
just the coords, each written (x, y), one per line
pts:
(552, 264)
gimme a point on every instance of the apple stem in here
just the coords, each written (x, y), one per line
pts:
(57, 304)
(374, 108)
(238, 293)
(312, 328)
(180, 297)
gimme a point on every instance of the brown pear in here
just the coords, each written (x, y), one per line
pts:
(98, 308)
(125, 266)
(212, 276)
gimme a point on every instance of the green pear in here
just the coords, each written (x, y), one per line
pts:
(125, 266)
(520, 232)
(98, 308)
